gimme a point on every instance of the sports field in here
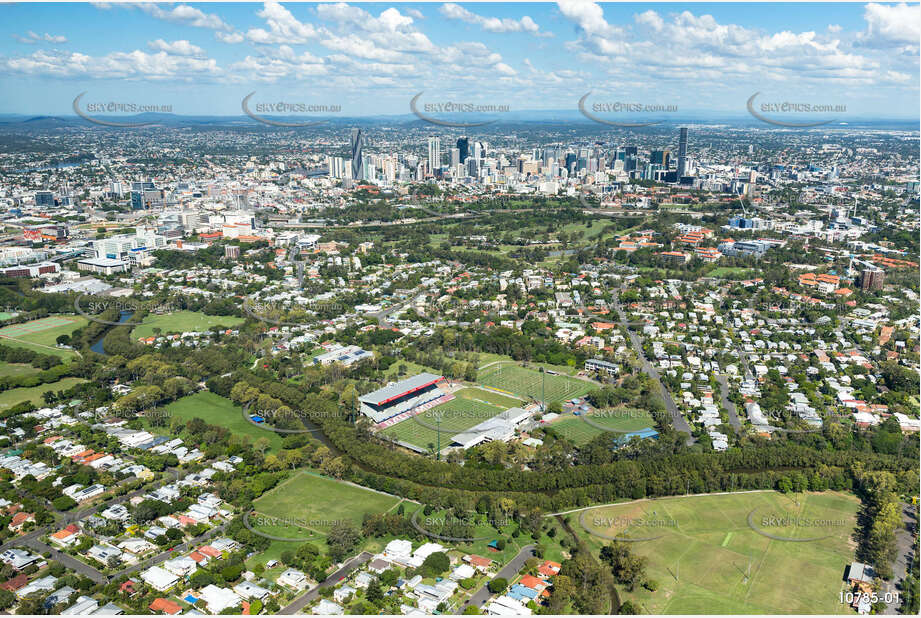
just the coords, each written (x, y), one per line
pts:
(527, 383)
(182, 321)
(34, 394)
(41, 335)
(581, 429)
(710, 555)
(469, 407)
(309, 503)
(16, 369)
(217, 410)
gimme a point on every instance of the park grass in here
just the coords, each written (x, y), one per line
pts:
(724, 271)
(527, 383)
(579, 431)
(470, 407)
(310, 504)
(44, 340)
(182, 321)
(706, 558)
(34, 394)
(16, 369)
(220, 411)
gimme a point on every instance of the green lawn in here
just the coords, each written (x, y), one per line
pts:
(470, 407)
(578, 429)
(731, 271)
(527, 383)
(41, 335)
(16, 369)
(707, 560)
(34, 394)
(217, 410)
(182, 321)
(308, 505)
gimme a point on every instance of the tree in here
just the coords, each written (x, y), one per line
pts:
(435, 564)
(343, 537)
(628, 569)
(497, 585)
(373, 593)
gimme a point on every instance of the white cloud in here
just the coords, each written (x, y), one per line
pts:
(117, 65)
(185, 14)
(492, 24)
(892, 24)
(177, 48)
(685, 47)
(31, 38)
(229, 37)
(650, 18)
(283, 27)
(588, 16)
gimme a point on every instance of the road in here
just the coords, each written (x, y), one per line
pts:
(70, 562)
(728, 404)
(678, 420)
(905, 546)
(31, 540)
(508, 572)
(301, 602)
(175, 552)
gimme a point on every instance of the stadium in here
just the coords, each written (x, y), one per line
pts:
(398, 401)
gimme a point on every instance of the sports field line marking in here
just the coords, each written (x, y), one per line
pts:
(727, 539)
(299, 527)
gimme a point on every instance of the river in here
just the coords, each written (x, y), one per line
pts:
(97, 347)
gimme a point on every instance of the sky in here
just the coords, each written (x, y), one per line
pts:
(373, 58)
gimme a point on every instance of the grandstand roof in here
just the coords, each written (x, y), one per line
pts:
(404, 387)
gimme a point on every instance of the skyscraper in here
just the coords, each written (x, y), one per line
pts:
(659, 157)
(463, 144)
(682, 152)
(455, 157)
(434, 154)
(357, 160)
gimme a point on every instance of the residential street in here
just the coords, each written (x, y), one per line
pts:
(508, 572)
(301, 602)
(678, 420)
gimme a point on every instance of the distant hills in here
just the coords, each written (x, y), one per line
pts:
(24, 121)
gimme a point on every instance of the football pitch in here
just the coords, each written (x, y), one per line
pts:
(747, 553)
(527, 383)
(469, 407)
(581, 429)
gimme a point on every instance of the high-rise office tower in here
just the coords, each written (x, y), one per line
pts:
(479, 150)
(630, 158)
(455, 157)
(682, 151)
(434, 154)
(463, 145)
(357, 160)
(659, 157)
(44, 199)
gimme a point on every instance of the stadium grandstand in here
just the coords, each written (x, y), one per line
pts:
(402, 399)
